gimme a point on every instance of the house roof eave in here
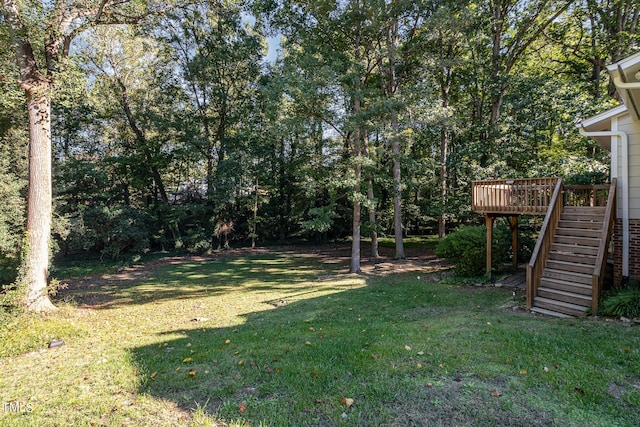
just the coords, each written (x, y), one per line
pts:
(626, 77)
(602, 123)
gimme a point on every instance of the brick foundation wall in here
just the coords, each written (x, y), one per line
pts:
(634, 250)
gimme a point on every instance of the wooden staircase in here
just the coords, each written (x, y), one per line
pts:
(566, 271)
(565, 288)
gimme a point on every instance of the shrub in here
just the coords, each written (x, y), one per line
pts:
(466, 248)
(622, 302)
(118, 229)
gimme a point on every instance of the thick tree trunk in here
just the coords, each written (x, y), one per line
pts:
(355, 242)
(393, 82)
(397, 190)
(37, 89)
(39, 200)
(372, 219)
(371, 198)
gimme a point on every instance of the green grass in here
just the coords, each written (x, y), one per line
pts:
(288, 336)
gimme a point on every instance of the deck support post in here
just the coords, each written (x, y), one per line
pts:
(489, 222)
(513, 223)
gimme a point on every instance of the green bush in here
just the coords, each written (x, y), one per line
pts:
(467, 246)
(622, 302)
(118, 230)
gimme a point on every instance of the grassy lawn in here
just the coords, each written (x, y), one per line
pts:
(283, 339)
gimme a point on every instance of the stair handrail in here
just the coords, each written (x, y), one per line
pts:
(543, 244)
(601, 259)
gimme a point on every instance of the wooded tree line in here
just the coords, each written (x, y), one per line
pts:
(169, 128)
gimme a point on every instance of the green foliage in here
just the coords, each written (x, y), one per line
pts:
(622, 302)
(13, 170)
(118, 229)
(321, 219)
(467, 246)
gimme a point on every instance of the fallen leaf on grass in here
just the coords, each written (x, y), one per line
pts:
(153, 376)
(347, 401)
(407, 347)
(523, 372)
(191, 373)
(242, 407)
(496, 393)
(187, 360)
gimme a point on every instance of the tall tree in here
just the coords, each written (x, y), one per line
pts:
(42, 34)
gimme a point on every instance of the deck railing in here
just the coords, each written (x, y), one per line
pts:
(543, 245)
(607, 231)
(586, 195)
(517, 196)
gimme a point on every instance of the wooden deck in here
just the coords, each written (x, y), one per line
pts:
(565, 273)
(531, 196)
(513, 196)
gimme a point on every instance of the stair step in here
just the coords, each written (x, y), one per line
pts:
(585, 209)
(561, 285)
(571, 249)
(578, 232)
(575, 240)
(560, 306)
(572, 258)
(564, 296)
(582, 217)
(591, 225)
(550, 312)
(570, 266)
(568, 276)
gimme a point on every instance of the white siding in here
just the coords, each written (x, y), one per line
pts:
(632, 129)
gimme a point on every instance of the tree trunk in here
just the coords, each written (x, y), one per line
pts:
(372, 202)
(444, 149)
(39, 200)
(445, 87)
(355, 242)
(357, 152)
(393, 82)
(397, 190)
(37, 89)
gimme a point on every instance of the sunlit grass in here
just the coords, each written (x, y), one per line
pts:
(281, 338)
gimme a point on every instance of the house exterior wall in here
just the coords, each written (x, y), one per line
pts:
(632, 129)
(634, 250)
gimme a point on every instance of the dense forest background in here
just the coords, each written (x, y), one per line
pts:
(373, 118)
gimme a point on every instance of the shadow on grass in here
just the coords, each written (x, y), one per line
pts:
(380, 345)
